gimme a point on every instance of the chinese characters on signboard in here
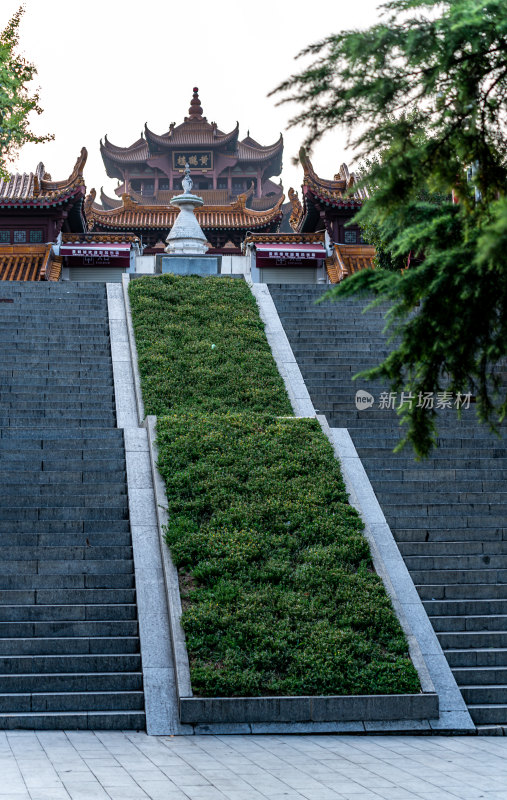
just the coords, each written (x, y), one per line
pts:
(86, 256)
(198, 160)
(289, 258)
(96, 257)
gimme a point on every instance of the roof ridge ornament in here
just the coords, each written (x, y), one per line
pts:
(195, 110)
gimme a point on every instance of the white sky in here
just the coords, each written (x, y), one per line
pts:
(109, 66)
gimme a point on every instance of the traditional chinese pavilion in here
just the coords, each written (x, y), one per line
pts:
(234, 178)
(330, 205)
(34, 211)
(43, 231)
(219, 161)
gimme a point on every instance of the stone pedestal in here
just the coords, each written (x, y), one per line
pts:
(189, 265)
(186, 237)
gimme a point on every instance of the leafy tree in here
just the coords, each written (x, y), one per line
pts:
(16, 102)
(428, 85)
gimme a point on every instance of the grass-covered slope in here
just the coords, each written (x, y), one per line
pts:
(276, 578)
(201, 345)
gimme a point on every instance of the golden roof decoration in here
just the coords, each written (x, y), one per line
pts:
(284, 238)
(38, 185)
(89, 201)
(297, 209)
(99, 238)
(29, 262)
(335, 189)
(348, 259)
(132, 214)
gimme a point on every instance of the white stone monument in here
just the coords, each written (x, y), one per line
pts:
(186, 237)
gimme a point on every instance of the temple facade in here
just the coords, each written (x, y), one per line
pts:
(233, 177)
(34, 212)
(44, 236)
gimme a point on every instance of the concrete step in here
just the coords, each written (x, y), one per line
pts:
(89, 598)
(38, 702)
(69, 646)
(68, 682)
(465, 608)
(83, 513)
(64, 526)
(462, 591)
(475, 534)
(96, 578)
(66, 628)
(490, 714)
(450, 640)
(63, 554)
(39, 568)
(74, 720)
(66, 540)
(480, 676)
(457, 548)
(74, 478)
(25, 613)
(485, 695)
(469, 623)
(69, 663)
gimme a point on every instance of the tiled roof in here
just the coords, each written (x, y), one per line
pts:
(349, 258)
(263, 203)
(196, 134)
(29, 262)
(337, 193)
(193, 132)
(137, 153)
(20, 185)
(108, 202)
(334, 192)
(247, 152)
(211, 197)
(37, 188)
(99, 238)
(284, 238)
(134, 215)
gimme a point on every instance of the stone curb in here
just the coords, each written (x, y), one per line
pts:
(353, 708)
(160, 696)
(181, 665)
(133, 349)
(282, 352)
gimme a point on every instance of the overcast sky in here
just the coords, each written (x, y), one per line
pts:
(109, 66)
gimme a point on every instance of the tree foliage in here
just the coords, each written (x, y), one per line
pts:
(428, 87)
(16, 102)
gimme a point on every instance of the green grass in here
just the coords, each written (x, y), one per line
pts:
(278, 589)
(201, 345)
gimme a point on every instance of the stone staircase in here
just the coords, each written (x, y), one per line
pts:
(448, 514)
(69, 645)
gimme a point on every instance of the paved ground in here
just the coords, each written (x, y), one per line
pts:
(98, 766)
